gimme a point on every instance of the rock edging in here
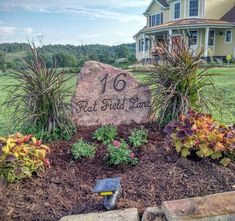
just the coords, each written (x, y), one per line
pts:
(216, 207)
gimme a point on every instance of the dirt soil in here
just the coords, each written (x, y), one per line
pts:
(66, 187)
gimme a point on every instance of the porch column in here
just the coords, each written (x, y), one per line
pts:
(170, 38)
(143, 46)
(206, 42)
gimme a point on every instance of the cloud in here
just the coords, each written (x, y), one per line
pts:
(45, 5)
(28, 31)
(7, 30)
(102, 14)
(99, 9)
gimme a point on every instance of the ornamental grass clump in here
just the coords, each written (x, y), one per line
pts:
(20, 156)
(199, 134)
(178, 81)
(39, 99)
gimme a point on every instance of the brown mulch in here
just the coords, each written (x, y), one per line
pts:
(66, 188)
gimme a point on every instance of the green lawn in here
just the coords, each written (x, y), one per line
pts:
(225, 96)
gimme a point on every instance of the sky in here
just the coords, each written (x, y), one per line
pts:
(76, 22)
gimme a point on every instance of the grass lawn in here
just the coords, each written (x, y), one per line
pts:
(225, 96)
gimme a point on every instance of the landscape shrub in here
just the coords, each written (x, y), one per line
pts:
(20, 156)
(40, 99)
(119, 153)
(176, 81)
(82, 149)
(197, 133)
(106, 134)
(138, 137)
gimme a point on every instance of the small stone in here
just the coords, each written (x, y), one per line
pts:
(107, 95)
(114, 215)
(217, 207)
(153, 214)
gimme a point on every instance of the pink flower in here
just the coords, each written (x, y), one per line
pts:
(47, 163)
(116, 143)
(132, 156)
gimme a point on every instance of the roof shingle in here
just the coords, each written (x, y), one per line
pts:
(229, 16)
(163, 2)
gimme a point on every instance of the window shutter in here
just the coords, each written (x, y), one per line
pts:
(150, 20)
(161, 18)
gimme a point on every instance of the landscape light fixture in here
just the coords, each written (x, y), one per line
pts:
(110, 189)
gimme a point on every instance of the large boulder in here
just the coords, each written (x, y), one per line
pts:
(107, 95)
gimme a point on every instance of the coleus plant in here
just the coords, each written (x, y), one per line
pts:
(199, 133)
(20, 156)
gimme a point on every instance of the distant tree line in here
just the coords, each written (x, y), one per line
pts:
(67, 55)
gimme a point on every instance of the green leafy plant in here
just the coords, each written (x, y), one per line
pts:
(82, 149)
(177, 81)
(199, 133)
(106, 134)
(20, 156)
(40, 99)
(119, 153)
(138, 137)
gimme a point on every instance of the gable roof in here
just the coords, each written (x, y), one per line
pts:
(162, 3)
(230, 15)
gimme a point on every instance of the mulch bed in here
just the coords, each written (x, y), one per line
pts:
(66, 188)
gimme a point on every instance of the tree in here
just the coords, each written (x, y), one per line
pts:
(122, 51)
(2, 61)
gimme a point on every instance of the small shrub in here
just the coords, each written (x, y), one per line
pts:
(106, 134)
(20, 156)
(119, 153)
(83, 149)
(138, 137)
(199, 133)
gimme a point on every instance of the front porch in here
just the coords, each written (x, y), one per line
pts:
(216, 40)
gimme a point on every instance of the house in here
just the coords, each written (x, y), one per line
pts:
(208, 24)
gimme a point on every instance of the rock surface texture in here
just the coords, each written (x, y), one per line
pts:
(217, 207)
(107, 95)
(153, 214)
(115, 215)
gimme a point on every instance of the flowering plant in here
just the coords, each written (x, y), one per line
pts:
(119, 153)
(138, 137)
(106, 134)
(199, 133)
(20, 156)
(82, 149)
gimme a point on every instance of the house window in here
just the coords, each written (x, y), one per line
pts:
(156, 19)
(193, 8)
(211, 38)
(141, 45)
(150, 20)
(177, 10)
(228, 36)
(192, 38)
(146, 44)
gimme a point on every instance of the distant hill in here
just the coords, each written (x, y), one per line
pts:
(70, 55)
